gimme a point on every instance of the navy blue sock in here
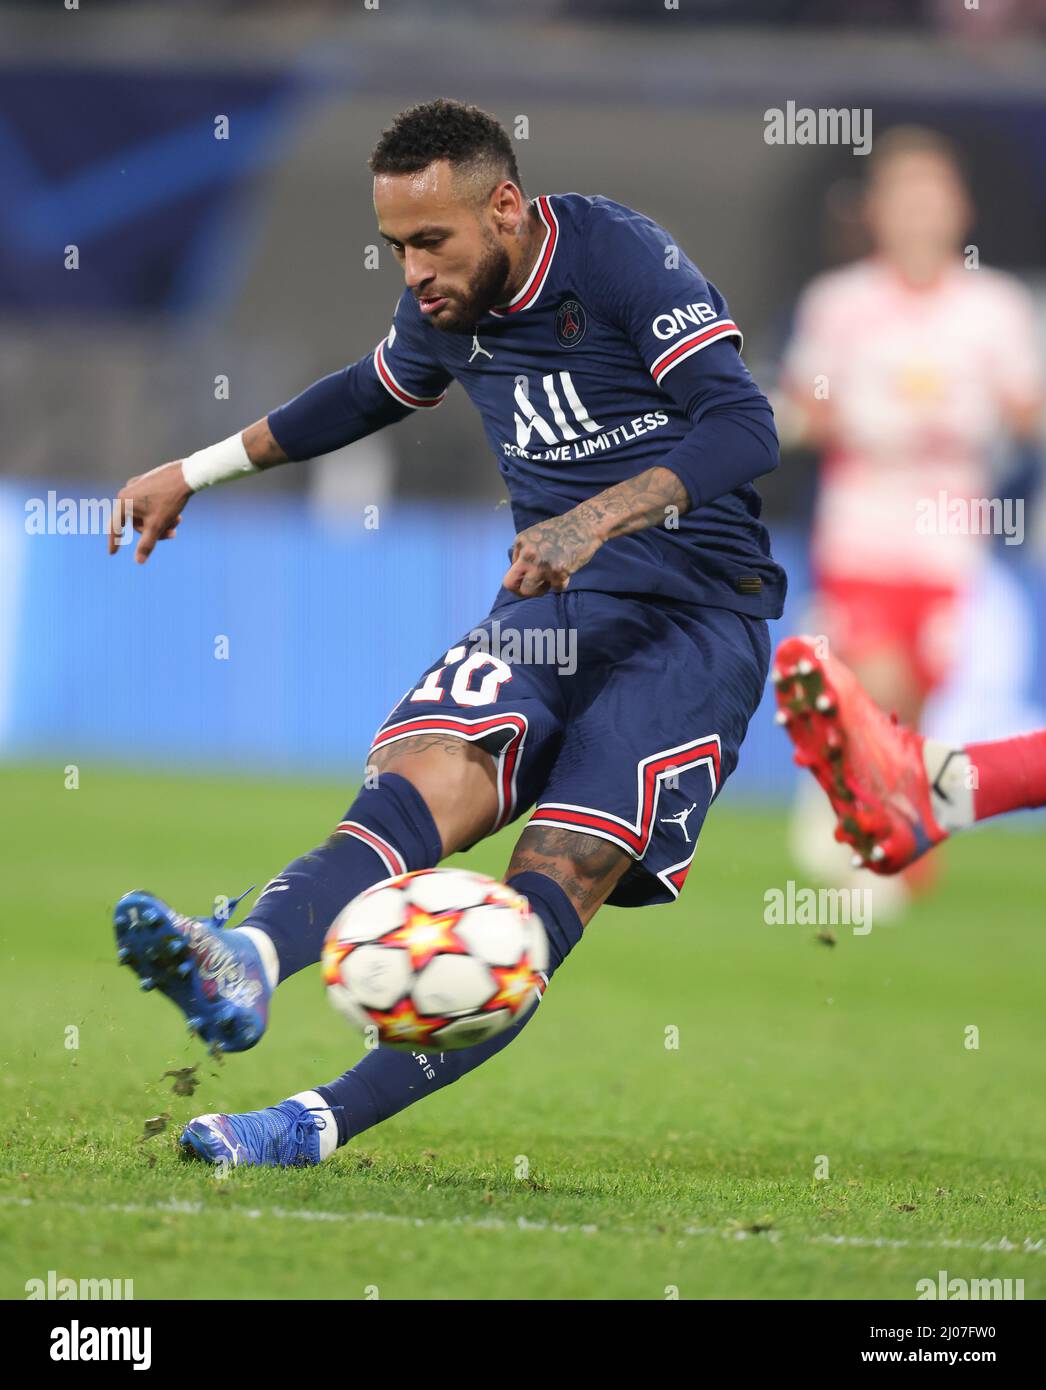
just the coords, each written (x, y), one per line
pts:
(387, 830)
(384, 1082)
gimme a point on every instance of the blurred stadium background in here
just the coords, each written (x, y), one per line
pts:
(246, 259)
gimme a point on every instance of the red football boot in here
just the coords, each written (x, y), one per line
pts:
(872, 768)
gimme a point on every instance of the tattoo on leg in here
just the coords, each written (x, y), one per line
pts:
(586, 867)
(381, 759)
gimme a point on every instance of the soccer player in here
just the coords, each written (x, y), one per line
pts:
(628, 431)
(906, 369)
(894, 793)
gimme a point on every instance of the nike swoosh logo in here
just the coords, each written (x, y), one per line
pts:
(937, 788)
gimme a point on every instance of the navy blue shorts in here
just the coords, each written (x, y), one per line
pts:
(611, 715)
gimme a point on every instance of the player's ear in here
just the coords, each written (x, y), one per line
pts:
(508, 205)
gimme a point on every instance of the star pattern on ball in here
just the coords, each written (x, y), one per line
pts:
(500, 895)
(333, 954)
(440, 956)
(427, 934)
(403, 1023)
(515, 985)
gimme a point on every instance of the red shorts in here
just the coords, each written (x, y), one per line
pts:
(862, 617)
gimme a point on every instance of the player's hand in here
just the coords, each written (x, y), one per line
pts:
(153, 501)
(546, 555)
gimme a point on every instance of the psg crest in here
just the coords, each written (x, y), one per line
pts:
(570, 323)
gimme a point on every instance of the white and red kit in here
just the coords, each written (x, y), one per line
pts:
(915, 384)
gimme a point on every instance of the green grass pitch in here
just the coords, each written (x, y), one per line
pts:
(587, 1161)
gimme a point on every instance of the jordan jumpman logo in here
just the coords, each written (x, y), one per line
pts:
(680, 819)
(477, 349)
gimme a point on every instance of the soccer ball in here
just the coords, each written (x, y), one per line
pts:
(437, 960)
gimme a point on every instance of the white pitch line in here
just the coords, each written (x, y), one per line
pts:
(178, 1207)
(1000, 1245)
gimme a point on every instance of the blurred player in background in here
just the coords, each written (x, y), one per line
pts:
(905, 370)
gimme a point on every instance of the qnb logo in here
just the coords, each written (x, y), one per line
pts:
(529, 422)
(676, 321)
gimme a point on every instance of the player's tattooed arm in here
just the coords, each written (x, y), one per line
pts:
(546, 555)
(261, 446)
(649, 499)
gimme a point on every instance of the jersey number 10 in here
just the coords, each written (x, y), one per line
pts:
(462, 691)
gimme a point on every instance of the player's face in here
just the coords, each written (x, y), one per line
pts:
(452, 251)
(917, 204)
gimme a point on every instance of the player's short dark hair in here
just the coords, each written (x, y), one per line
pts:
(470, 139)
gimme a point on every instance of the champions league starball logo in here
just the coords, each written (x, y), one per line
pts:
(570, 323)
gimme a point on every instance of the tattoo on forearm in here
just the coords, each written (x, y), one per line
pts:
(261, 446)
(637, 503)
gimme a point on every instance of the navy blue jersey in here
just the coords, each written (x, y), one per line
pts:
(616, 355)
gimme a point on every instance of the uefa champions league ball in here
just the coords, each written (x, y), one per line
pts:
(436, 960)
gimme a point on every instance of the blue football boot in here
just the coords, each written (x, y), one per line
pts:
(281, 1136)
(215, 977)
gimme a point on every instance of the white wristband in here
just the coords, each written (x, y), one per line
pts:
(219, 463)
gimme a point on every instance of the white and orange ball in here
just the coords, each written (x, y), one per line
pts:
(435, 960)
